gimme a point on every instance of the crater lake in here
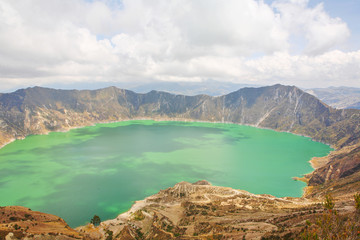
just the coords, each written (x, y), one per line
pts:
(103, 169)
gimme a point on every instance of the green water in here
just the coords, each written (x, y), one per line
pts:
(104, 168)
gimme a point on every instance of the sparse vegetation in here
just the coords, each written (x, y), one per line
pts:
(138, 215)
(109, 235)
(17, 227)
(140, 235)
(357, 201)
(329, 203)
(332, 224)
(169, 228)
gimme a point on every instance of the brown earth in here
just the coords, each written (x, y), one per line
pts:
(21, 223)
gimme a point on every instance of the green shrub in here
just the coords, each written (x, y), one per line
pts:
(95, 220)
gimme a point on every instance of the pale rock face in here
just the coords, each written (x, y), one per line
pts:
(10, 236)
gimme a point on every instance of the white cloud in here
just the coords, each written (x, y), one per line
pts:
(320, 30)
(45, 41)
(334, 68)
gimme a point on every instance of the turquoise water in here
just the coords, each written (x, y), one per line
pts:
(102, 169)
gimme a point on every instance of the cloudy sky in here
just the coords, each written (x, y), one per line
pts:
(308, 43)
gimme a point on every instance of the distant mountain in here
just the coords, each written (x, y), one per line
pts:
(210, 87)
(338, 97)
(283, 108)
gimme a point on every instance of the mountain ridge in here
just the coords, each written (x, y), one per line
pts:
(179, 211)
(39, 110)
(338, 97)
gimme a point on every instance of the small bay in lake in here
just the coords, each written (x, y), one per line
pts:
(103, 169)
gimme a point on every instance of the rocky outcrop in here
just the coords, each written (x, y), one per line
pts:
(340, 176)
(341, 165)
